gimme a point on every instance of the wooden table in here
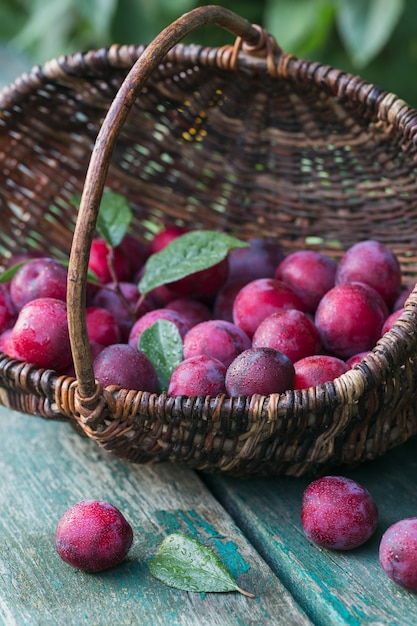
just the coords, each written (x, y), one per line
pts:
(253, 525)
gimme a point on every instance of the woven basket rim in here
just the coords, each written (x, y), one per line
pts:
(385, 105)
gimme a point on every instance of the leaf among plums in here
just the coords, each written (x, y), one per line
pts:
(185, 563)
(8, 274)
(114, 218)
(190, 253)
(162, 344)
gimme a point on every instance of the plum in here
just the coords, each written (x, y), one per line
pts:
(103, 257)
(373, 263)
(102, 326)
(125, 366)
(310, 274)
(40, 334)
(259, 371)
(93, 535)
(290, 331)
(338, 513)
(260, 298)
(259, 260)
(398, 553)
(350, 319)
(38, 278)
(197, 376)
(316, 369)
(217, 338)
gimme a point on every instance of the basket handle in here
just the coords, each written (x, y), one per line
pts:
(88, 391)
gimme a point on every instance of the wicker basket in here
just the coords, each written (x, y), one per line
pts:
(245, 139)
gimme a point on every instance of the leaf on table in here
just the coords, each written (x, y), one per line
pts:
(162, 344)
(190, 253)
(185, 563)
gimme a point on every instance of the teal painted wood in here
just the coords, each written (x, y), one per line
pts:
(334, 588)
(46, 467)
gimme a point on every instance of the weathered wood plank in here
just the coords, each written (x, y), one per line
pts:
(334, 588)
(46, 467)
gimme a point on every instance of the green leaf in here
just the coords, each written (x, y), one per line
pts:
(98, 14)
(299, 25)
(365, 26)
(162, 344)
(8, 274)
(185, 563)
(114, 218)
(46, 16)
(190, 253)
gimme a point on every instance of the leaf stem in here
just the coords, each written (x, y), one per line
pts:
(140, 302)
(248, 594)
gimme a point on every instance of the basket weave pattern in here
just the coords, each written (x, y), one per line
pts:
(245, 139)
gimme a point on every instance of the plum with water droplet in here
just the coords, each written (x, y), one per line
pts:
(93, 535)
(398, 552)
(259, 371)
(338, 513)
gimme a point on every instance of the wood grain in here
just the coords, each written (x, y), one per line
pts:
(45, 467)
(334, 588)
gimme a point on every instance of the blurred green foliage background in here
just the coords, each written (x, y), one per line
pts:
(376, 39)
